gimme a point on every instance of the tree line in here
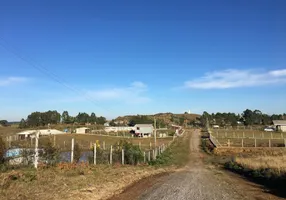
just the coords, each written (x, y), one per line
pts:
(36, 119)
(247, 118)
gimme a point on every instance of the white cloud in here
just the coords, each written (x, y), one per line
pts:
(135, 93)
(12, 80)
(233, 78)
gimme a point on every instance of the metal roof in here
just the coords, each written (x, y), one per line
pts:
(279, 122)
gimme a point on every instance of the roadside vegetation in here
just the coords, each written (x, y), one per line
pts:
(177, 154)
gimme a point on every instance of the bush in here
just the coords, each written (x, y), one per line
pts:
(50, 154)
(132, 153)
(2, 150)
(77, 152)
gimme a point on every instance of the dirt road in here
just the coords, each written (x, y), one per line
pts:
(197, 181)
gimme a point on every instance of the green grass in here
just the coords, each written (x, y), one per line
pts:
(176, 154)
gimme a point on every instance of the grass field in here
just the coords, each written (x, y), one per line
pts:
(249, 138)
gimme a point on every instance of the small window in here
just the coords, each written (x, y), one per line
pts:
(138, 128)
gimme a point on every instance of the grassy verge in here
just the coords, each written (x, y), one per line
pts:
(177, 154)
(71, 181)
(266, 170)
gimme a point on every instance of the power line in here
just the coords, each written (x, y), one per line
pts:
(46, 72)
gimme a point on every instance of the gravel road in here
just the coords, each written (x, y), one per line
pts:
(195, 181)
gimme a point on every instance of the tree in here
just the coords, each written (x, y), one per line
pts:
(4, 122)
(92, 118)
(66, 119)
(82, 118)
(23, 124)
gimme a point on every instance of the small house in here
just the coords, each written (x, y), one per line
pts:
(280, 125)
(143, 130)
(82, 130)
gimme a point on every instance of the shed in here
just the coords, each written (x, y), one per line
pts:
(82, 130)
(280, 125)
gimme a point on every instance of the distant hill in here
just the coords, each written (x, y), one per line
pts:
(164, 118)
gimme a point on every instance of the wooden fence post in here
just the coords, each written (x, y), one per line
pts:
(154, 154)
(103, 145)
(54, 140)
(110, 157)
(150, 145)
(94, 153)
(36, 150)
(144, 154)
(149, 156)
(242, 145)
(31, 141)
(228, 143)
(122, 156)
(72, 149)
(255, 144)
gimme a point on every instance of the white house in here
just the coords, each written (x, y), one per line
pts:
(82, 130)
(280, 125)
(118, 128)
(42, 132)
(143, 130)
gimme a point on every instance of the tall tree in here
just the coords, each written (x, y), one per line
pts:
(66, 119)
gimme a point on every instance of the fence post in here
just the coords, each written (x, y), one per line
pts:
(242, 145)
(31, 141)
(269, 143)
(285, 143)
(255, 142)
(36, 150)
(72, 148)
(122, 156)
(103, 145)
(54, 140)
(228, 143)
(144, 154)
(154, 154)
(149, 156)
(150, 145)
(110, 157)
(94, 153)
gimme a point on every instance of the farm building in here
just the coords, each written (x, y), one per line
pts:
(82, 130)
(43, 132)
(117, 128)
(280, 125)
(143, 130)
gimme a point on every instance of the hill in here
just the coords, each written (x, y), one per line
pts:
(161, 118)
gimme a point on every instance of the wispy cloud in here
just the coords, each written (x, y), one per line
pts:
(6, 81)
(135, 93)
(233, 78)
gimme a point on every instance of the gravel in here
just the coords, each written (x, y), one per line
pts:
(195, 181)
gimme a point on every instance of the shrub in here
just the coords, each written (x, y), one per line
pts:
(2, 150)
(132, 153)
(50, 154)
(77, 152)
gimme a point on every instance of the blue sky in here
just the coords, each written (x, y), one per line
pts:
(142, 57)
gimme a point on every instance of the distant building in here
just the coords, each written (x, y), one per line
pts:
(42, 132)
(280, 125)
(82, 130)
(143, 130)
(118, 128)
(106, 124)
